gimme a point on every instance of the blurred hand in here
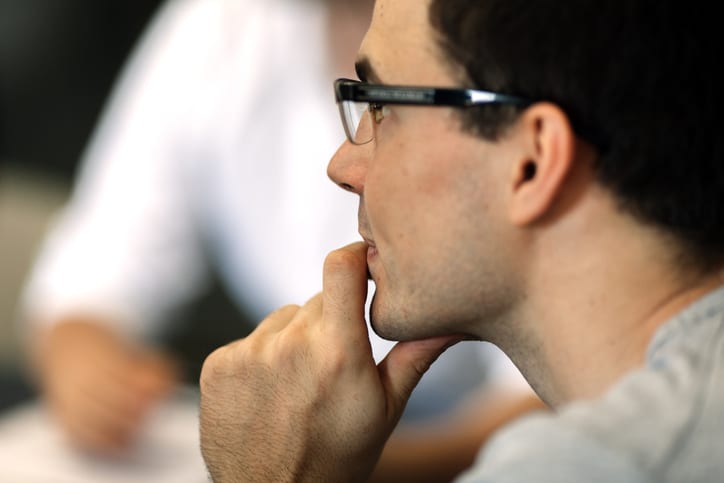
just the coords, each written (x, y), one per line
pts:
(301, 398)
(99, 386)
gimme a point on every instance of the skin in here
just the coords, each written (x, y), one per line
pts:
(99, 386)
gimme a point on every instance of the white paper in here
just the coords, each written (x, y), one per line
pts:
(33, 450)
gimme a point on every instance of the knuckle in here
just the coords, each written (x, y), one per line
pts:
(304, 315)
(285, 311)
(215, 366)
(290, 347)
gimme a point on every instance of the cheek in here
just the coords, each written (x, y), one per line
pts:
(414, 193)
(393, 196)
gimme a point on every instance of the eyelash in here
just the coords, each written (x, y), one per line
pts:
(379, 112)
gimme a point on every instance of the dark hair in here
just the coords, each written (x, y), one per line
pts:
(635, 77)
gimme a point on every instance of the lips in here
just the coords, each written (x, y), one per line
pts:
(371, 252)
(364, 231)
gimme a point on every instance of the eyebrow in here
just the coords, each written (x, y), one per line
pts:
(365, 71)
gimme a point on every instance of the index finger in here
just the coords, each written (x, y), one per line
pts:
(345, 285)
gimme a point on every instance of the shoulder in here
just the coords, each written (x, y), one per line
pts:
(662, 422)
(659, 423)
(545, 448)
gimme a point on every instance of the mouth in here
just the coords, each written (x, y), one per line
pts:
(371, 251)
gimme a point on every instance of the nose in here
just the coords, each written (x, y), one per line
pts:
(348, 166)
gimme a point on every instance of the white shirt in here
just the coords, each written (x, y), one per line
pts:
(214, 147)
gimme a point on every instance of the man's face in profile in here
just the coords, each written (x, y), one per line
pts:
(430, 193)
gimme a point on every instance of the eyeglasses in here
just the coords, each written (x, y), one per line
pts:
(362, 105)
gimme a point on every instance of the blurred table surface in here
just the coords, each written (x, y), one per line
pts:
(33, 450)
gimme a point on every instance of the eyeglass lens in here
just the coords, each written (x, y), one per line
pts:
(357, 121)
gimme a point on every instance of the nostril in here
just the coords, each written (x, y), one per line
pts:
(346, 186)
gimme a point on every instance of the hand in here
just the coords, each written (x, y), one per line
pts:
(98, 386)
(301, 398)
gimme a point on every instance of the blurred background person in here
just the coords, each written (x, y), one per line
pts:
(210, 162)
(57, 62)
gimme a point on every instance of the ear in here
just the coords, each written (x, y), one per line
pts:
(543, 163)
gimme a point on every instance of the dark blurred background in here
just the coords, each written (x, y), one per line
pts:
(58, 59)
(58, 62)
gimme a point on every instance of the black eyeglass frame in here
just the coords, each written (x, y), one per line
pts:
(381, 94)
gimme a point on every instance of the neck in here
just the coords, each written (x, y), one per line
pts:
(595, 300)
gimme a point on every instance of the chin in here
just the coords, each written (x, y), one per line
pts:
(383, 323)
(395, 323)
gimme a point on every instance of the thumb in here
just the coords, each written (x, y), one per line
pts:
(403, 367)
(345, 287)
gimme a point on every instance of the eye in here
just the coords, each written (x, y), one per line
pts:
(378, 111)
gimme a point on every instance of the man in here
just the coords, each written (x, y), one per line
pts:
(577, 222)
(202, 158)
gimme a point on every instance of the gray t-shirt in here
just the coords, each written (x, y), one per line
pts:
(661, 423)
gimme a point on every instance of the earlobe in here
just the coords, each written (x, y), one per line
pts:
(546, 158)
